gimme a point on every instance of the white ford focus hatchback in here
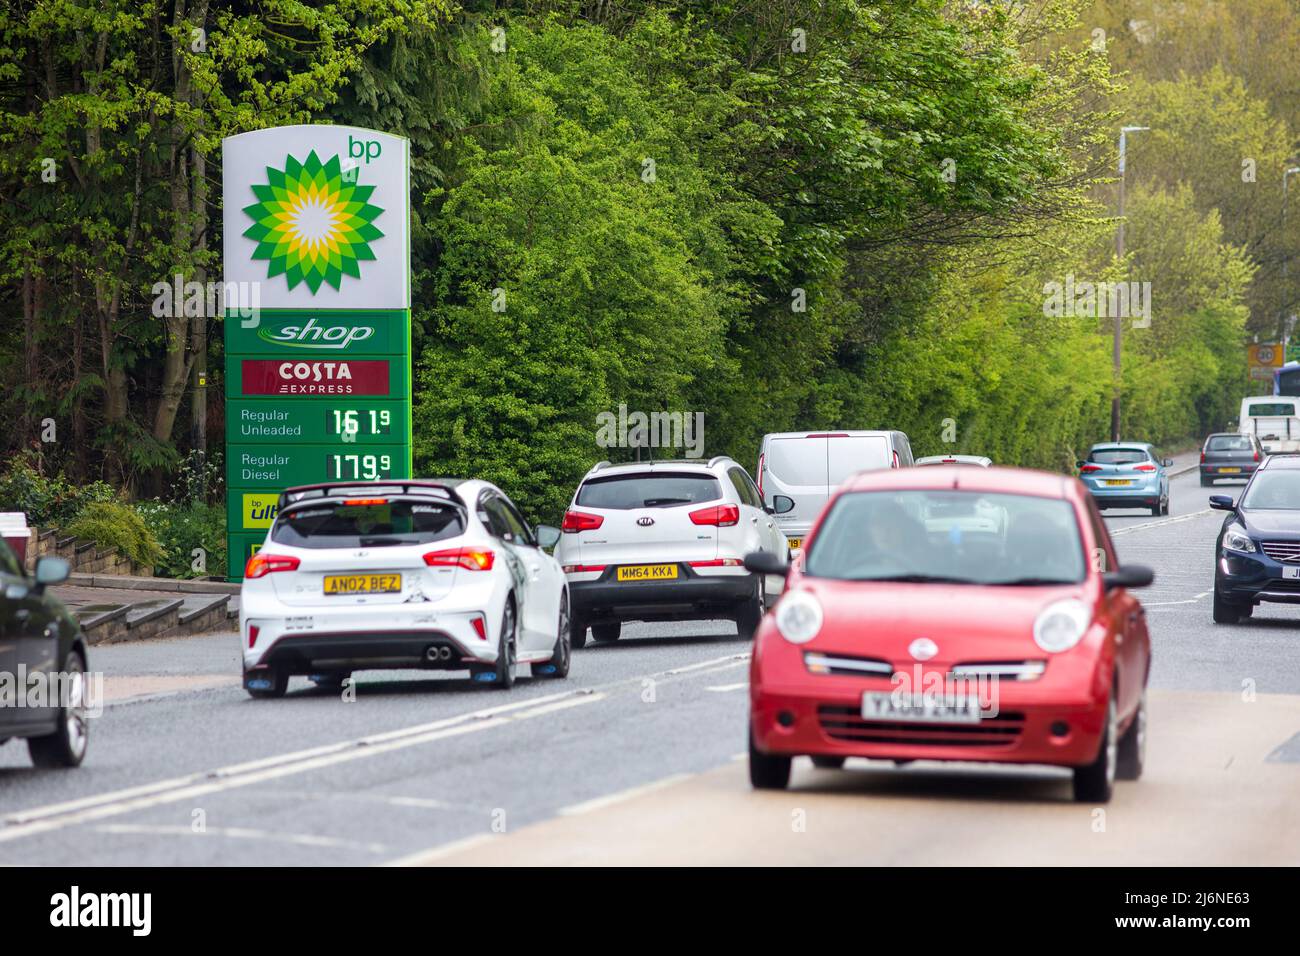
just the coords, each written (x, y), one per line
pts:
(442, 575)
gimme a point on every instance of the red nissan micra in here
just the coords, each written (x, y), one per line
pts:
(954, 614)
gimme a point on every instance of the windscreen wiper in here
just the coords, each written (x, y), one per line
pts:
(918, 579)
(380, 542)
(657, 502)
(1029, 581)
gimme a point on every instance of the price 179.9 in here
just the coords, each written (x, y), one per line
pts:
(358, 467)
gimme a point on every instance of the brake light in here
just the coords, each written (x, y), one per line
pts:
(1089, 469)
(1144, 467)
(471, 559)
(365, 501)
(262, 564)
(716, 563)
(575, 521)
(723, 516)
(829, 435)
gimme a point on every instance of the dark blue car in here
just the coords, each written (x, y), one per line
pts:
(1258, 549)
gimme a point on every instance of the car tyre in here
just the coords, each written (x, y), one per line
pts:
(558, 666)
(1224, 611)
(767, 771)
(750, 614)
(606, 633)
(506, 669)
(827, 762)
(1095, 782)
(1132, 755)
(577, 633)
(66, 747)
(279, 684)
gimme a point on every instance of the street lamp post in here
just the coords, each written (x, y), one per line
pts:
(1119, 248)
(1286, 258)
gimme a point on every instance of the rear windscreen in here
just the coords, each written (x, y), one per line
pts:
(659, 490)
(1229, 443)
(1271, 410)
(1118, 456)
(388, 524)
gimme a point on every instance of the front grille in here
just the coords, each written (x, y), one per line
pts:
(846, 723)
(1288, 551)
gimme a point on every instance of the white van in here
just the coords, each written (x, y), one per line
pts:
(807, 466)
(1274, 419)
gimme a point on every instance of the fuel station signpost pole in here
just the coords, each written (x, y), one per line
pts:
(318, 316)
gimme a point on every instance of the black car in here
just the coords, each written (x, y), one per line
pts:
(1257, 553)
(41, 646)
(1229, 455)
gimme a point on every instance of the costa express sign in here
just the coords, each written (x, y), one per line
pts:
(318, 378)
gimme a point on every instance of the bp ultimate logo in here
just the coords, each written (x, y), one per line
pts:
(313, 222)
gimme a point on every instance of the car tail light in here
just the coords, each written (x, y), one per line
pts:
(724, 516)
(895, 464)
(253, 630)
(582, 568)
(1254, 457)
(1202, 456)
(1144, 467)
(471, 559)
(716, 563)
(262, 564)
(480, 626)
(575, 521)
(1089, 469)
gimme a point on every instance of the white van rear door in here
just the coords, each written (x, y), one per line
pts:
(848, 455)
(797, 468)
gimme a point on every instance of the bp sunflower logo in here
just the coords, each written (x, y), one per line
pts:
(312, 222)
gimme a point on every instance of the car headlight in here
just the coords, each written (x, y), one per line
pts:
(1236, 539)
(799, 617)
(1061, 625)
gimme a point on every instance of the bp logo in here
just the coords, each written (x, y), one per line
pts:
(312, 222)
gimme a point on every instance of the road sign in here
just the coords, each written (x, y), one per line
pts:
(318, 342)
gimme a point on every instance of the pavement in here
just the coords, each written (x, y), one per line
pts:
(635, 759)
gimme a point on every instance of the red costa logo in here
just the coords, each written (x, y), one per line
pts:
(274, 377)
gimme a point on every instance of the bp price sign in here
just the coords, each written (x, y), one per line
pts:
(318, 322)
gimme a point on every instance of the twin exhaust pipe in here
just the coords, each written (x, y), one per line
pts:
(438, 654)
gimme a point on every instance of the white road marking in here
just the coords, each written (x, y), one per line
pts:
(242, 833)
(724, 688)
(599, 803)
(1161, 523)
(731, 660)
(43, 819)
(1191, 600)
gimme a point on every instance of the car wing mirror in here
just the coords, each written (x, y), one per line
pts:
(782, 504)
(51, 570)
(1129, 576)
(1079, 463)
(1222, 503)
(1167, 462)
(764, 562)
(548, 536)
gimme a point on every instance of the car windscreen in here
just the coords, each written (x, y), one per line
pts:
(961, 537)
(659, 489)
(377, 524)
(1229, 443)
(1274, 491)
(1118, 456)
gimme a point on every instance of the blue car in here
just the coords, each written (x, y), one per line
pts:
(1258, 549)
(1127, 474)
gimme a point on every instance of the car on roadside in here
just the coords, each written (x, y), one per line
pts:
(1257, 551)
(41, 644)
(1229, 455)
(1127, 475)
(978, 461)
(806, 467)
(441, 574)
(666, 541)
(1009, 645)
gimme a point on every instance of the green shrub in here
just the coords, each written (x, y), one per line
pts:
(180, 529)
(47, 501)
(118, 525)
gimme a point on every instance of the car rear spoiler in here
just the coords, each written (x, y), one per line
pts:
(353, 489)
